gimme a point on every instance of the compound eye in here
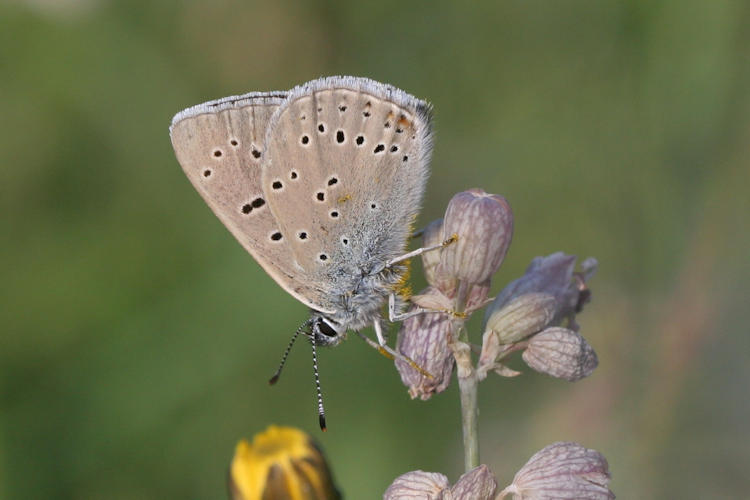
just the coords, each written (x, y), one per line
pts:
(326, 329)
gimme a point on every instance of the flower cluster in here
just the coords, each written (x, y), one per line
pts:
(534, 314)
(459, 277)
(565, 471)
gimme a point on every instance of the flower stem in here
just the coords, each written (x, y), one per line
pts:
(468, 383)
(468, 388)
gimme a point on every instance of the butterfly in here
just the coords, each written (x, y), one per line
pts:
(321, 185)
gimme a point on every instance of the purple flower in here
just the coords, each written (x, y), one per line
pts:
(553, 275)
(424, 339)
(483, 224)
(477, 484)
(564, 471)
(561, 353)
(524, 313)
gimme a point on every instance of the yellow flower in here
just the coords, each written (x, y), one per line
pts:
(282, 463)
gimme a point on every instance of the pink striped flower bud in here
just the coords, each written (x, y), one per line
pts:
(477, 484)
(564, 471)
(424, 340)
(561, 353)
(483, 224)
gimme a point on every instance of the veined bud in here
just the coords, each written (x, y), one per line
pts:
(484, 225)
(433, 236)
(281, 463)
(417, 484)
(424, 339)
(565, 471)
(520, 317)
(561, 353)
(554, 275)
(477, 484)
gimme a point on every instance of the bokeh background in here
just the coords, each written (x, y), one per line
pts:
(137, 336)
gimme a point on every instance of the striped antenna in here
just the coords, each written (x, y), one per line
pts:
(276, 375)
(321, 411)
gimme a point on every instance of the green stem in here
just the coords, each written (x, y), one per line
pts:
(468, 384)
(468, 388)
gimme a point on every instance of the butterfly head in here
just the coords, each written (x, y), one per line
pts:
(327, 331)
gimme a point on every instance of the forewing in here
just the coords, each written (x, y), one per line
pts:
(221, 146)
(346, 168)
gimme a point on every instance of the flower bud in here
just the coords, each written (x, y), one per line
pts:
(432, 236)
(484, 226)
(424, 339)
(417, 484)
(520, 317)
(477, 484)
(565, 471)
(282, 463)
(554, 275)
(561, 353)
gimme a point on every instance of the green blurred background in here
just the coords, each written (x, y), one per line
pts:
(137, 336)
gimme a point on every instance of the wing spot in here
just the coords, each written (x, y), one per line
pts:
(321, 196)
(342, 108)
(379, 149)
(334, 214)
(366, 112)
(320, 109)
(332, 181)
(340, 136)
(323, 257)
(247, 208)
(293, 174)
(360, 140)
(302, 235)
(403, 122)
(373, 206)
(218, 153)
(321, 127)
(258, 202)
(394, 148)
(276, 236)
(234, 142)
(207, 172)
(387, 125)
(277, 185)
(405, 158)
(305, 140)
(256, 153)
(345, 241)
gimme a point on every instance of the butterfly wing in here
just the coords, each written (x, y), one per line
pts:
(346, 169)
(221, 146)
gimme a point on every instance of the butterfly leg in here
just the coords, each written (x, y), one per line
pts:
(380, 345)
(387, 351)
(379, 333)
(394, 316)
(420, 251)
